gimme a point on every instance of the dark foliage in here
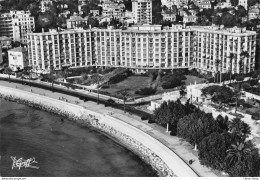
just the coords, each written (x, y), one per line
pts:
(171, 81)
(144, 118)
(146, 91)
(213, 150)
(120, 76)
(170, 112)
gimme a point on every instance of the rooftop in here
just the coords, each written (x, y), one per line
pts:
(145, 28)
(4, 38)
(76, 18)
(18, 49)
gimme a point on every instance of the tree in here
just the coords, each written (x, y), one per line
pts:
(183, 91)
(229, 20)
(234, 2)
(128, 5)
(241, 13)
(243, 160)
(96, 79)
(156, 12)
(52, 77)
(239, 79)
(125, 95)
(246, 86)
(160, 116)
(90, 5)
(239, 129)
(22, 77)
(236, 153)
(196, 126)
(8, 71)
(169, 113)
(217, 20)
(213, 150)
(61, 21)
(171, 81)
(46, 20)
(219, 94)
(93, 22)
(223, 123)
(231, 56)
(217, 63)
(174, 9)
(27, 70)
(243, 56)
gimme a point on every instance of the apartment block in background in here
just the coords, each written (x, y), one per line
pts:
(76, 20)
(23, 23)
(16, 25)
(142, 11)
(6, 27)
(45, 5)
(146, 47)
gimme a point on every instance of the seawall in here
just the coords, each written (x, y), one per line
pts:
(160, 157)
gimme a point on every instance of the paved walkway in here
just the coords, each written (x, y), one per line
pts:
(181, 148)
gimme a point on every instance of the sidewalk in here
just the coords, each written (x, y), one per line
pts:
(181, 148)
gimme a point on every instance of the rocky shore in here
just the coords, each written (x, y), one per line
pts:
(84, 116)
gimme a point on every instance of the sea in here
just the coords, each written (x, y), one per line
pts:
(34, 143)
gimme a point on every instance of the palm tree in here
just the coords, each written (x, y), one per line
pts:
(96, 79)
(52, 77)
(231, 56)
(8, 71)
(27, 70)
(125, 94)
(237, 153)
(217, 63)
(22, 77)
(239, 128)
(239, 79)
(243, 56)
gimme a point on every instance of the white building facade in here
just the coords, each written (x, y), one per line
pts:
(23, 23)
(16, 25)
(142, 11)
(18, 58)
(76, 20)
(6, 27)
(145, 47)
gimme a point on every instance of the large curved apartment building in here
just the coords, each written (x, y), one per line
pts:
(146, 47)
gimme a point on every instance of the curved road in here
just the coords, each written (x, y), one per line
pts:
(175, 144)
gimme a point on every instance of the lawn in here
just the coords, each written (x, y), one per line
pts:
(133, 83)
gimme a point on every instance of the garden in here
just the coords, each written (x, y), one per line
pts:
(111, 81)
(221, 143)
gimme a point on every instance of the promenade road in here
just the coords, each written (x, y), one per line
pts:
(183, 149)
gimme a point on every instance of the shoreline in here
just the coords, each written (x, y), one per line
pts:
(83, 123)
(102, 123)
